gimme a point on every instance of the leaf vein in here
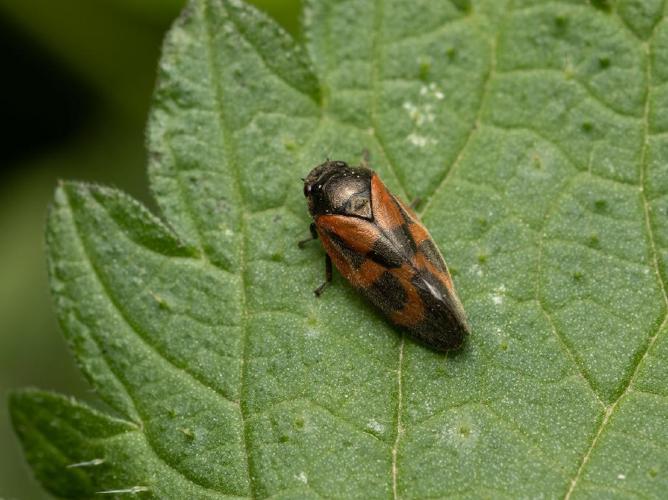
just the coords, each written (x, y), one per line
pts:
(214, 70)
(566, 347)
(376, 73)
(475, 124)
(104, 287)
(579, 83)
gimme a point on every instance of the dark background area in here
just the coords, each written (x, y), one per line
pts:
(74, 97)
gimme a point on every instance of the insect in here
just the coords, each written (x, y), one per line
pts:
(379, 245)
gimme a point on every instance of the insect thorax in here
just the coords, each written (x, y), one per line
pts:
(336, 188)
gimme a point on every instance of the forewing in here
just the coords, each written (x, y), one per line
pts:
(356, 241)
(365, 257)
(392, 220)
(432, 310)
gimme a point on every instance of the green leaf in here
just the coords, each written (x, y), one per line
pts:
(535, 134)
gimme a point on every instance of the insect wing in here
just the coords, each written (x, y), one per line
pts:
(348, 241)
(432, 310)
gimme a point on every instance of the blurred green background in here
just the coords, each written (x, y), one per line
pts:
(74, 98)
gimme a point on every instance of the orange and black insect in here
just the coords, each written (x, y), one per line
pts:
(378, 244)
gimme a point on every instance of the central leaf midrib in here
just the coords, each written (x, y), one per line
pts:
(232, 160)
(376, 56)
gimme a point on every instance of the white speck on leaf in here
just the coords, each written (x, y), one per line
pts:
(311, 334)
(432, 90)
(497, 298)
(420, 114)
(375, 426)
(89, 463)
(130, 491)
(419, 141)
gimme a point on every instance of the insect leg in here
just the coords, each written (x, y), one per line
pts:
(328, 277)
(314, 236)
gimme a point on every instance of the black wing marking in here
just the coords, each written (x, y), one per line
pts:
(444, 322)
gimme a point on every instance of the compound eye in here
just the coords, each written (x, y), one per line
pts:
(307, 190)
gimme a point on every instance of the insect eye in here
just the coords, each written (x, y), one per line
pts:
(307, 190)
